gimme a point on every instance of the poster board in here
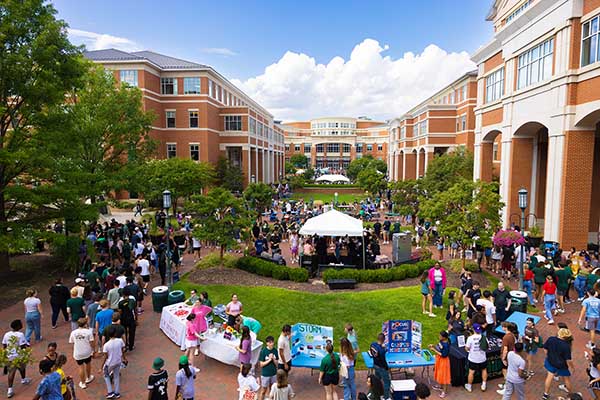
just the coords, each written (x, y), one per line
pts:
(403, 336)
(416, 337)
(309, 341)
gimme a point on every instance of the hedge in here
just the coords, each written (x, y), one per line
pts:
(397, 273)
(269, 269)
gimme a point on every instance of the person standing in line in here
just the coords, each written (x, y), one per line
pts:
(75, 308)
(590, 308)
(59, 294)
(50, 386)
(329, 375)
(64, 379)
(82, 339)
(477, 359)
(33, 315)
(347, 358)
(91, 313)
(11, 342)
(549, 296)
(184, 379)
(377, 352)
(558, 361)
(282, 390)
(114, 356)
(113, 296)
(128, 317)
(268, 363)
(144, 264)
(441, 371)
(283, 347)
(158, 380)
(515, 383)
(103, 319)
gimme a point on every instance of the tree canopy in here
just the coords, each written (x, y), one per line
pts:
(229, 176)
(372, 180)
(406, 197)
(258, 196)
(363, 163)
(447, 169)
(299, 161)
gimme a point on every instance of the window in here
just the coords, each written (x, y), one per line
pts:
(590, 51)
(168, 85)
(422, 128)
(494, 86)
(359, 147)
(379, 147)
(452, 98)
(307, 147)
(495, 152)
(129, 76)
(333, 147)
(252, 126)
(464, 92)
(535, 65)
(193, 119)
(195, 152)
(191, 85)
(171, 150)
(297, 148)
(518, 11)
(369, 147)
(211, 90)
(287, 147)
(347, 148)
(463, 122)
(403, 132)
(233, 122)
(170, 119)
(319, 148)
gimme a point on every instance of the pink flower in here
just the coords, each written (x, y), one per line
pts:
(508, 237)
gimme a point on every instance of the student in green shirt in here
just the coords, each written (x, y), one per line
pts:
(268, 362)
(563, 276)
(329, 375)
(75, 308)
(539, 277)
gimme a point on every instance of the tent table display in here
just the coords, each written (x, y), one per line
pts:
(401, 360)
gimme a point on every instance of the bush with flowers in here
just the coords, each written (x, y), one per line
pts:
(508, 237)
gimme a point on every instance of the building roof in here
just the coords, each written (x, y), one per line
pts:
(160, 60)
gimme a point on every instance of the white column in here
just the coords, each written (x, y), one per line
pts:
(249, 164)
(425, 163)
(477, 160)
(554, 186)
(403, 165)
(504, 177)
(256, 165)
(534, 177)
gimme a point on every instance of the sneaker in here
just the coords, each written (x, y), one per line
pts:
(53, 326)
(82, 385)
(25, 381)
(442, 395)
(563, 387)
(501, 386)
(546, 396)
(483, 386)
(580, 299)
(561, 310)
(555, 312)
(111, 395)
(468, 388)
(545, 316)
(551, 322)
(196, 352)
(556, 378)
(436, 387)
(89, 379)
(10, 393)
(426, 312)
(432, 315)
(500, 392)
(117, 396)
(590, 345)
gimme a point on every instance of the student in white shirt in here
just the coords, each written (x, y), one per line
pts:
(12, 347)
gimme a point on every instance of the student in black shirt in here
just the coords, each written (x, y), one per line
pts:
(471, 298)
(157, 381)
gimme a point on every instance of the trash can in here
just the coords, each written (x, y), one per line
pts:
(176, 296)
(160, 297)
(518, 301)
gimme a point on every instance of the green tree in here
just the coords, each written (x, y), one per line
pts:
(39, 67)
(308, 174)
(289, 168)
(445, 170)
(406, 197)
(299, 161)
(182, 177)
(258, 196)
(372, 180)
(359, 164)
(219, 217)
(229, 176)
(468, 212)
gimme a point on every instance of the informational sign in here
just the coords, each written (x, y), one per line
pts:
(417, 337)
(403, 336)
(310, 340)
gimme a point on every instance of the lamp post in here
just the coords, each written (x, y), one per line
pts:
(335, 199)
(253, 179)
(167, 205)
(522, 205)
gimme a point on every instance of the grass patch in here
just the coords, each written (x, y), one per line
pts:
(328, 197)
(274, 307)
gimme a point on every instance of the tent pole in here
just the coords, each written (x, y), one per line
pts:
(364, 258)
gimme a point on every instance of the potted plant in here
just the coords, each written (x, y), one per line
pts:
(535, 236)
(508, 237)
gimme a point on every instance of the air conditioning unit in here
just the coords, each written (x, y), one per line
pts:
(401, 247)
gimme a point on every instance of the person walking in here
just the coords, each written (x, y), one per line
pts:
(75, 308)
(549, 296)
(281, 390)
(59, 294)
(82, 339)
(437, 279)
(114, 356)
(590, 308)
(477, 358)
(515, 374)
(348, 359)
(558, 361)
(33, 315)
(329, 375)
(12, 341)
(441, 370)
(49, 387)
(377, 352)
(184, 380)
(128, 316)
(531, 340)
(158, 381)
(103, 320)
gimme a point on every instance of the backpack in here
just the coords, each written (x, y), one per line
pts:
(483, 344)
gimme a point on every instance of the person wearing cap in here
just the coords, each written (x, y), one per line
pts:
(184, 379)
(157, 381)
(558, 361)
(477, 359)
(79, 286)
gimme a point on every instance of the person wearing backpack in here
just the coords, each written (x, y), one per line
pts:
(126, 308)
(476, 346)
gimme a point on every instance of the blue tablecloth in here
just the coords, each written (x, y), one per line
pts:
(520, 319)
(305, 361)
(400, 360)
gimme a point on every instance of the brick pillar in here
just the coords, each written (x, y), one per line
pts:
(411, 166)
(245, 166)
(400, 167)
(421, 160)
(595, 210)
(578, 163)
(520, 177)
(487, 162)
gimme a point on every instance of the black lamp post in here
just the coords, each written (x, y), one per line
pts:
(167, 206)
(523, 206)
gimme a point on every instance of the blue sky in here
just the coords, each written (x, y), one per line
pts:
(241, 38)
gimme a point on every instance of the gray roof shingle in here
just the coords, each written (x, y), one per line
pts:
(160, 60)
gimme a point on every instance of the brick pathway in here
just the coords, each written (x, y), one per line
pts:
(217, 381)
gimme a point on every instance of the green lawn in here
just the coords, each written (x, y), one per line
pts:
(328, 197)
(274, 307)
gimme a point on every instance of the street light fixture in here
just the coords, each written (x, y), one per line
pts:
(335, 199)
(253, 179)
(166, 206)
(523, 206)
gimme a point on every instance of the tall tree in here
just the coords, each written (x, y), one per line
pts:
(406, 197)
(364, 162)
(445, 170)
(371, 179)
(219, 217)
(229, 176)
(258, 196)
(299, 161)
(38, 68)
(468, 212)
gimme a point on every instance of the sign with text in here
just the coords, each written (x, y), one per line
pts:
(403, 336)
(310, 340)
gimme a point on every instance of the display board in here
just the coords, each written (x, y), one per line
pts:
(403, 336)
(309, 341)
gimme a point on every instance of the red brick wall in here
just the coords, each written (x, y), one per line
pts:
(486, 161)
(590, 5)
(492, 62)
(492, 117)
(520, 171)
(411, 166)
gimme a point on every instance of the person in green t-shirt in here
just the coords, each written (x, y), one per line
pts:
(329, 375)
(268, 363)
(562, 276)
(539, 277)
(75, 308)
(93, 279)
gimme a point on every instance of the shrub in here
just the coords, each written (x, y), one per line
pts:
(425, 265)
(425, 253)
(298, 274)
(280, 273)
(456, 265)
(211, 260)
(266, 268)
(412, 271)
(398, 273)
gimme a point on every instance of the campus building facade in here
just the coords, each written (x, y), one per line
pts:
(538, 112)
(199, 114)
(435, 126)
(334, 142)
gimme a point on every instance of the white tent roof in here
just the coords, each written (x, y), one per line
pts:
(332, 178)
(332, 223)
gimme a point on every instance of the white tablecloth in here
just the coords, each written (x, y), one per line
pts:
(173, 322)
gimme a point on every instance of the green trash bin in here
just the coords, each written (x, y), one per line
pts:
(160, 298)
(518, 301)
(176, 296)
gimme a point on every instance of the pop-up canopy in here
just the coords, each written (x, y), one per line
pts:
(332, 223)
(332, 178)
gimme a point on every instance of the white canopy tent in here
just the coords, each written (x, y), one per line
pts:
(332, 178)
(334, 223)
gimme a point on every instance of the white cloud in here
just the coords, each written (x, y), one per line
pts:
(369, 83)
(221, 51)
(97, 41)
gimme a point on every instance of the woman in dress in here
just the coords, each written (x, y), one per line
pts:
(441, 371)
(245, 347)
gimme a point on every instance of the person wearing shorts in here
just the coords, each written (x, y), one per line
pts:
(329, 372)
(82, 339)
(268, 363)
(477, 359)
(558, 360)
(590, 307)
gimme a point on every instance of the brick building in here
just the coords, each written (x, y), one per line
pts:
(334, 142)
(199, 113)
(538, 112)
(435, 126)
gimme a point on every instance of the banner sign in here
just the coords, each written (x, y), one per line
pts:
(310, 340)
(402, 336)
